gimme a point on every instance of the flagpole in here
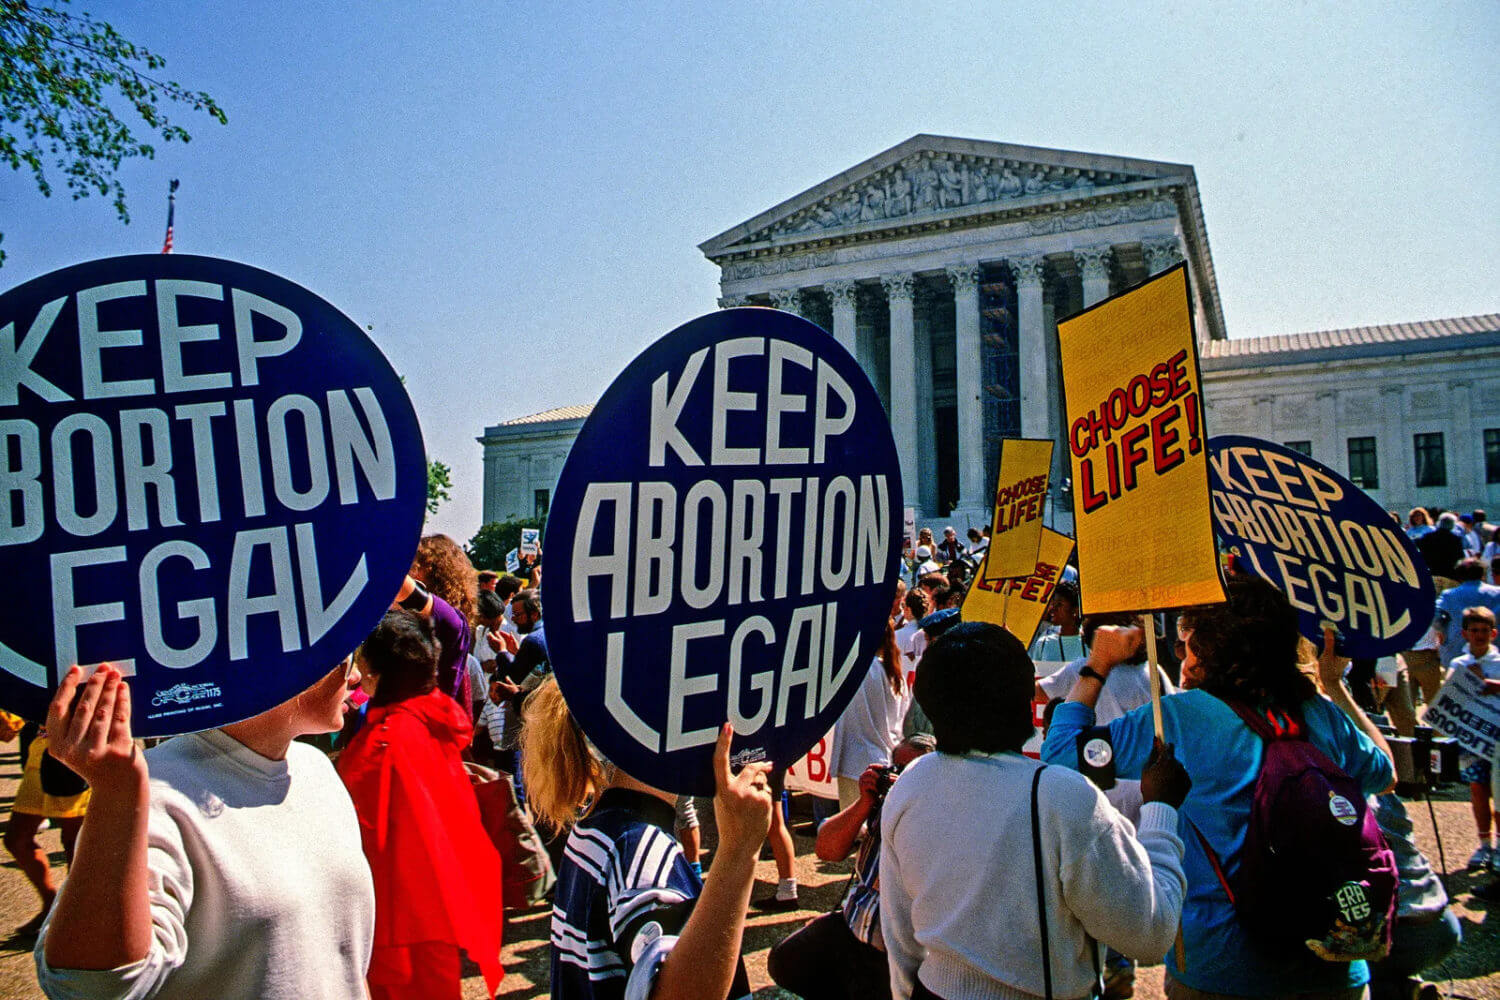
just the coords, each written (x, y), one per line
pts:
(166, 245)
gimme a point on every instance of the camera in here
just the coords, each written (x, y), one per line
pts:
(885, 777)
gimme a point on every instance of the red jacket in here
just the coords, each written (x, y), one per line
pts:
(437, 874)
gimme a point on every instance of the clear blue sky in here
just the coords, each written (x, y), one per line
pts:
(512, 195)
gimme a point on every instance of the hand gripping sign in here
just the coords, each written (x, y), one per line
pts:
(208, 476)
(723, 544)
(1135, 440)
(1328, 546)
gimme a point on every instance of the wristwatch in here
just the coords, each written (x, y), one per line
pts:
(1088, 671)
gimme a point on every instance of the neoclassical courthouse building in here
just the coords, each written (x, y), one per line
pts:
(944, 265)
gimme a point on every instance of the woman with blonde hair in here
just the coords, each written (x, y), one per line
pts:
(631, 918)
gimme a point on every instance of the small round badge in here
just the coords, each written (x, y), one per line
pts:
(1342, 809)
(1097, 752)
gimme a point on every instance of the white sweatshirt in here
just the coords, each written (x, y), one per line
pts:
(958, 893)
(259, 887)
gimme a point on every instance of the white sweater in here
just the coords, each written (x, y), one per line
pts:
(958, 887)
(259, 887)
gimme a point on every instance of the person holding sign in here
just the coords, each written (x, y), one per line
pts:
(222, 864)
(1244, 651)
(1483, 661)
(631, 918)
(999, 875)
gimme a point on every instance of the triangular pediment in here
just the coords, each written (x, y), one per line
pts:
(928, 177)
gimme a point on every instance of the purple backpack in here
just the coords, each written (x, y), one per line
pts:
(1315, 872)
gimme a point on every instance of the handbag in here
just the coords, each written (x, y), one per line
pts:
(525, 868)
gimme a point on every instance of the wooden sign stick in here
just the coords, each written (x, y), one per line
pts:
(1148, 623)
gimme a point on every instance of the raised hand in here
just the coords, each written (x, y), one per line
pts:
(88, 728)
(1114, 645)
(742, 802)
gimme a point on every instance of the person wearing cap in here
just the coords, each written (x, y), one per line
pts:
(925, 563)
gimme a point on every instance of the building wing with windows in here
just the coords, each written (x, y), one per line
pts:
(1410, 412)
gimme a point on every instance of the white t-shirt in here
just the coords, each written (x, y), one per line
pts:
(904, 642)
(1052, 646)
(258, 884)
(870, 727)
(1128, 688)
(483, 651)
(1489, 663)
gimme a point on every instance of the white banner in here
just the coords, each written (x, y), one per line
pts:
(1463, 711)
(812, 775)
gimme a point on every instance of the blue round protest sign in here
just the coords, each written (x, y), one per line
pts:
(722, 546)
(1327, 545)
(209, 477)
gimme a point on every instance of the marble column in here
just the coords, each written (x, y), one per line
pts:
(787, 299)
(733, 301)
(1461, 445)
(1093, 264)
(842, 295)
(1037, 378)
(1161, 254)
(1395, 469)
(972, 489)
(903, 396)
(864, 338)
(925, 499)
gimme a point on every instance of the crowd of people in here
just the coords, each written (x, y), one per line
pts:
(333, 846)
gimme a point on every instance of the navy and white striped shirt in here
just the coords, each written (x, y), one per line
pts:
(624, 892)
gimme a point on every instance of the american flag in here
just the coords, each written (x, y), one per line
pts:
(166, 246)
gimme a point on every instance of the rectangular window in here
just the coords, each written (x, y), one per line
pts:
(1301, 447)
(1492, 455)
(1364, 471)
(539, 508)
(1432, 465)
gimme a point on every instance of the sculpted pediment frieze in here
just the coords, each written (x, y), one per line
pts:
(933, 183)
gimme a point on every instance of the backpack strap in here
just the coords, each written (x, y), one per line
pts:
(1213, 861)
(1041, 888)
(1271, 723)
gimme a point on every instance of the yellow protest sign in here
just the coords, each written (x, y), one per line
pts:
(1020, 497)
(1019, 604)
(1136, 445)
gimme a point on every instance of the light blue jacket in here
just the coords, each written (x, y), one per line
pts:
(1223, 758)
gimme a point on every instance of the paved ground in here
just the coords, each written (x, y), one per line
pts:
(1474, 969)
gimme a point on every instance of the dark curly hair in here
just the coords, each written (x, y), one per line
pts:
(1248, 647)
(442, 566)
(975, 684)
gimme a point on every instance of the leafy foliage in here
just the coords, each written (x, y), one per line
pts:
(490, 543)
(61, 78)
(439, 482)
